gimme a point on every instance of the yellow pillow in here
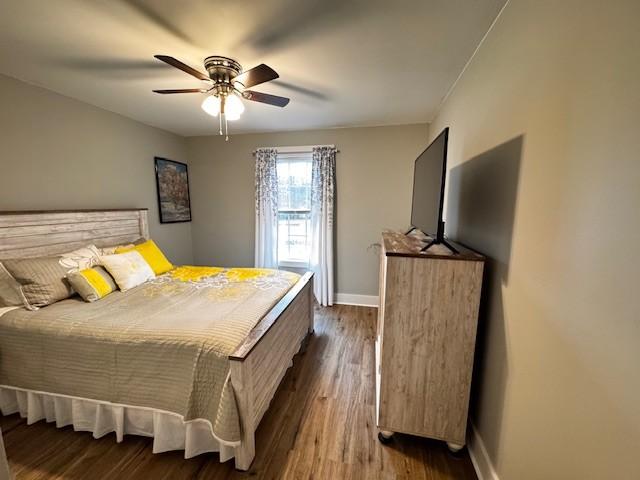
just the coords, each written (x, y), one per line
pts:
(152, 255)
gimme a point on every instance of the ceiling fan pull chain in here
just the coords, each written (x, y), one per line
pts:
(226, 128)
(220, 125)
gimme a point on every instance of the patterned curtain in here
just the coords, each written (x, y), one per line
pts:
(266, 209)
(323, 178)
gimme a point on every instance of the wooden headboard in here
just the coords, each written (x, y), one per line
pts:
(38, 233)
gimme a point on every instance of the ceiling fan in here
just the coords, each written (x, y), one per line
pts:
(227, 84)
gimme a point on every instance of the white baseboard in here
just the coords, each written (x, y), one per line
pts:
(479, 457)
(353, 299)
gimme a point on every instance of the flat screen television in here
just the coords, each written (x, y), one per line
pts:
(429, 176)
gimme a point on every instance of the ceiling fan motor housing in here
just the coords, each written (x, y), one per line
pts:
(222, 71)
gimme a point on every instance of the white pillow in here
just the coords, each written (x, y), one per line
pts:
(127, 269)
(81, 259)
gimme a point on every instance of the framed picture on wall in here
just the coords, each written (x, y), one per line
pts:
(172, 180)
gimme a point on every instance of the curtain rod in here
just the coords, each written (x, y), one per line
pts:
(297, 149)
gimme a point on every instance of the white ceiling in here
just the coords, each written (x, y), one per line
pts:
(342, 62)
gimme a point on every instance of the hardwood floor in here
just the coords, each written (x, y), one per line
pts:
(321, 425)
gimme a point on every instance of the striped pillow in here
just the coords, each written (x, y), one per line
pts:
(10, 291)
(92, 283)
(42, 280)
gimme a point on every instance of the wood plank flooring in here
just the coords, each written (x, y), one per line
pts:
(321, 425)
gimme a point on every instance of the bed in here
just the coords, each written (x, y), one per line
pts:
(192, 358)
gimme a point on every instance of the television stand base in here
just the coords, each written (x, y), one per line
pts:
(439, 242)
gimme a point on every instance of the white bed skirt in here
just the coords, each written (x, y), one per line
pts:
(169, 430)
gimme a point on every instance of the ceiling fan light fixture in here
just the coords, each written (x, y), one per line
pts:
(233, 107)
(211, 105)
(227, 84)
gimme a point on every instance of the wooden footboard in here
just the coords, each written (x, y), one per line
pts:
(260, 362)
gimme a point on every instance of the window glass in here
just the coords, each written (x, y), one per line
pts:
(294, 208)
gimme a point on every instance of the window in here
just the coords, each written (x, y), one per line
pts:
(294, 209)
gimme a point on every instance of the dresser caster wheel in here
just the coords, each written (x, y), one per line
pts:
(385, 437)
(454, 447)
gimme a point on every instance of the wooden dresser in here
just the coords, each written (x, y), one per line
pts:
(425, 338)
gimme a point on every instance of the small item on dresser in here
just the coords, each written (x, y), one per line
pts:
(152, 254)
(128, 269)
(42, 280)
(92, 283)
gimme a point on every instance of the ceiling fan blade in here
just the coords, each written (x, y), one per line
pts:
(185, 68)
(256, 75)
(292, 21)
(274, 100)
(156, 17)
(182, 90)
(308, 92)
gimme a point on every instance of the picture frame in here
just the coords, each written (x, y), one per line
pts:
(172, 187)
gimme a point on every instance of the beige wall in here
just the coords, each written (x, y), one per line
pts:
(374, 175)
(545, 179)
(59, 153)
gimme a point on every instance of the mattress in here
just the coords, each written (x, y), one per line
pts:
(162, 345)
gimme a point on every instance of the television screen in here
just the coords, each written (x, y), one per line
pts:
(428, 187)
